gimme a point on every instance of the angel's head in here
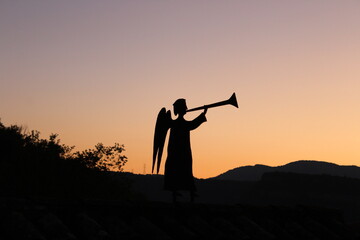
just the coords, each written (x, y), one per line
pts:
(180, 106)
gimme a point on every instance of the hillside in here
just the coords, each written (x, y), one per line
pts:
(100, 220)
(274, 189)
(254, 173)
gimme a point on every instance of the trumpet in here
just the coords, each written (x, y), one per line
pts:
(231, 101)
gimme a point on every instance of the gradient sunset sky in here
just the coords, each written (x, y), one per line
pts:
(99, 71)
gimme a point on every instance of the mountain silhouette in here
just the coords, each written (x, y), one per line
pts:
(254, 173)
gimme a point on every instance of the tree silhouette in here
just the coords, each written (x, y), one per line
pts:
(32, 166)
(103, 158)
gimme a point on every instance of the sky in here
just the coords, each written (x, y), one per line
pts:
(100, 71)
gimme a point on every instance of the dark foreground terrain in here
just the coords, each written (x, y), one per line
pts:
(279, 206)
(75, 219)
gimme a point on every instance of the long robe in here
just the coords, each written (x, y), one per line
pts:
(178, 166)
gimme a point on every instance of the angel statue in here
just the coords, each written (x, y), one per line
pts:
(178, 174)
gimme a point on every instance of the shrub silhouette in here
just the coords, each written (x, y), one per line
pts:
(32, 166)
(103, 158)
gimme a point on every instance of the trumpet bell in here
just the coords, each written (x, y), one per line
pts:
(233, 101)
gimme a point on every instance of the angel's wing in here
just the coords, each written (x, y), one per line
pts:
(162, 126)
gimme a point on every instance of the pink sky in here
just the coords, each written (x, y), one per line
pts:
(99, 71)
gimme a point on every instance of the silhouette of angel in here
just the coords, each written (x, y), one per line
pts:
(178, 165)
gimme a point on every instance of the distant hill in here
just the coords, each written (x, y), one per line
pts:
(254, 173)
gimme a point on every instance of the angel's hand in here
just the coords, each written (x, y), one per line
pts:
(205, 110)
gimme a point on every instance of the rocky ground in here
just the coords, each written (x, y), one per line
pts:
(92, 219)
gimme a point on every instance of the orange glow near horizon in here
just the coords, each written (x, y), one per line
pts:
(100, 72)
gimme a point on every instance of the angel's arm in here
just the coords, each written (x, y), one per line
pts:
(198, 121)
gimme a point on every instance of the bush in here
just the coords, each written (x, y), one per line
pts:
(102, 158)
(32, 166)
